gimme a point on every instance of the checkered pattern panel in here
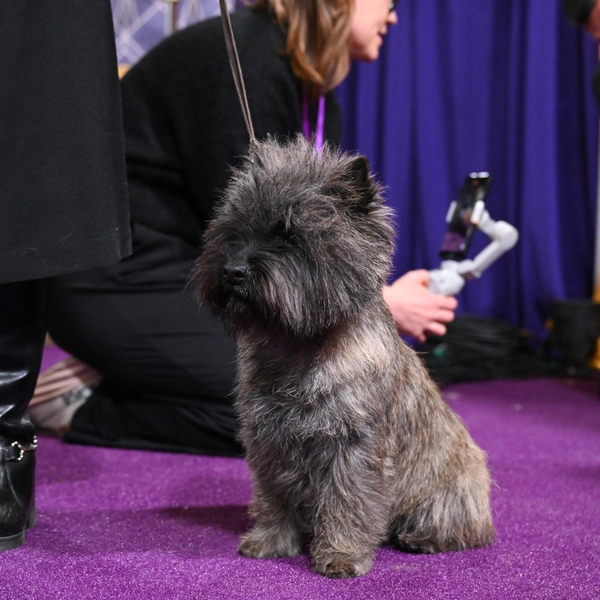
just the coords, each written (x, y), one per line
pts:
(140, 24)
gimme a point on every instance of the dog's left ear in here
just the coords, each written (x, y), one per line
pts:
(359, 169)
(360, 172)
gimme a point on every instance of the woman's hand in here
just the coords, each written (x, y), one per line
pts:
(417, 311)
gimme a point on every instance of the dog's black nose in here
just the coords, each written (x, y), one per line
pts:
(235, 274)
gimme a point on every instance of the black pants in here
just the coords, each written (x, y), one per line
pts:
(23, 313)
(168, 366)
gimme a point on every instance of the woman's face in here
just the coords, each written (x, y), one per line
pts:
(370, 22)
(593, 24)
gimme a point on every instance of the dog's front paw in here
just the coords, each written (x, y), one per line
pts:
(259, 543)
(342, 566)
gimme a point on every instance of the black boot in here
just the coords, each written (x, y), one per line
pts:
(23, 308)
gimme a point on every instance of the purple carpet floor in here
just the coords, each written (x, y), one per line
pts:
(142, 525)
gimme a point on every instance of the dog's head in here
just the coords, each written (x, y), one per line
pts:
(301, 242)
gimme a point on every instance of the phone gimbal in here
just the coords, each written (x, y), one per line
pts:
(450, 278)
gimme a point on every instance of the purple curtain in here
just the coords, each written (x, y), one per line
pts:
(504, 87)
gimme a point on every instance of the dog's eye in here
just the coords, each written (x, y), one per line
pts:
(284, 232)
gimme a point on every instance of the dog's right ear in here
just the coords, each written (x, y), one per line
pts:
(360, 169)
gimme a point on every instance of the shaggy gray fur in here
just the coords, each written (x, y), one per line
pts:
(349, 441)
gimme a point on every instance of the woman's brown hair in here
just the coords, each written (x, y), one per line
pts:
(317, 39)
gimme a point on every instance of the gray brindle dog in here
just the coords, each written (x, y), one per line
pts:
(349, 441)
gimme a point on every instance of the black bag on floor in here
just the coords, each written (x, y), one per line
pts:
(476, 348)
(574, 331)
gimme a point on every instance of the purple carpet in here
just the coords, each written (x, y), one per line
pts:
(143, 525)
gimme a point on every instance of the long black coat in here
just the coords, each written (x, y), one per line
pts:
(63, 202)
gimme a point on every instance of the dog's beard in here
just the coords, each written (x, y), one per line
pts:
(269, 299)
(279, 294)
(237, 307)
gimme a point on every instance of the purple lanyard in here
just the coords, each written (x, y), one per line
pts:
(320, 129)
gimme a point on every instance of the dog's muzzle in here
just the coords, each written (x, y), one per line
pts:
(235, 274)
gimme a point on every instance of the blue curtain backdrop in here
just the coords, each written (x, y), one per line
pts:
(499, 86)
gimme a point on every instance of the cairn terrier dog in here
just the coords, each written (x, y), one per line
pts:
(348, 440)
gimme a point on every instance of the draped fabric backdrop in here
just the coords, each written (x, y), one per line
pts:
(461, 86)
(500, 86)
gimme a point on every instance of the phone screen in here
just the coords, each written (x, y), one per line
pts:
(458, 235)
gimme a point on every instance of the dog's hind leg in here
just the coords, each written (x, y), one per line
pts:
(454, 518)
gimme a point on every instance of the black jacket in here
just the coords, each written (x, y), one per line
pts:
(184, 128)
(62, 171)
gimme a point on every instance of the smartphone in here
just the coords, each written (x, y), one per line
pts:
(460, 230)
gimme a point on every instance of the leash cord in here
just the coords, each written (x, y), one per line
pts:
(236, 69)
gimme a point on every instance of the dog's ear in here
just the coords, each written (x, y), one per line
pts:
(359, 169)
(360, 173)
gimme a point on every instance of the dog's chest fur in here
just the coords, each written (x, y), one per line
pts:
(316, 389)
(321, 406)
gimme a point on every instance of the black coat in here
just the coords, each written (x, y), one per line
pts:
(63, 196)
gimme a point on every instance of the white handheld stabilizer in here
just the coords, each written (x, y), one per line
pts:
(450, 278)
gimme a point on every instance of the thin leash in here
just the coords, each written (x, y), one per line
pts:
(236, 69)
